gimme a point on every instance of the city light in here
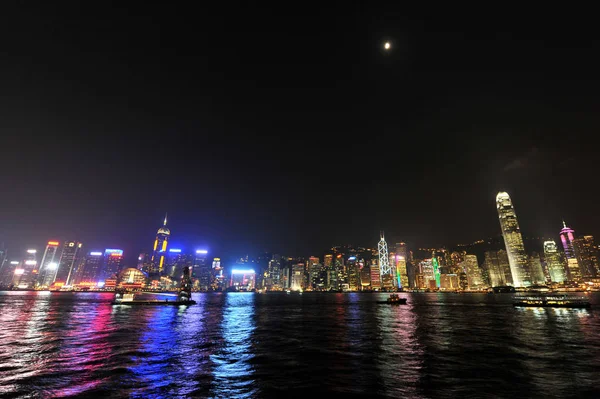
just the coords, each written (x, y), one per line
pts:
(30, 262)
(113, 251)
(14, 262)
(100, 284)
(387, 45)
(53, 243)
(19, 272)
(242, 271)
(96, 253)
(352, 258)
(31, 251)
(52, 266)
(175, 250)
(202, 251)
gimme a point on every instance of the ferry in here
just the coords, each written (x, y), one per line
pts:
(551, 301)
(184, 298)
(393, 299)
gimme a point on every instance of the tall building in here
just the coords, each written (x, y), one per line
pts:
(554, 262)
(586, 252)
(328, 260)
(427, 273)
(496, 263)
(69, 259)
(567, 237)
(375, 275)
(384, 261)
(471, 268)
(535, 269)
(517, 258)
(297, 280)
(113, 262)
(160, 248)
(201, 269)
(93, 270)
(49, 265)
(436, 271)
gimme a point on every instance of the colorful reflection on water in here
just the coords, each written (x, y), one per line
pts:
(266, 345)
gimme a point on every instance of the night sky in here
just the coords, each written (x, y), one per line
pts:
(291, 130)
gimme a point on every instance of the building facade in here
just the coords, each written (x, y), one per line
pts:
(515, 249)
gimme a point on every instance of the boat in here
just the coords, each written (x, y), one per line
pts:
(184, 298)
(393, 299)
(551, 301)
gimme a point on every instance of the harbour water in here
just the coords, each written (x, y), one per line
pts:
(288, 345)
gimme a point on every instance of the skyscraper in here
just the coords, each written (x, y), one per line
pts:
(535, 269)
(384, 260)
(496, 263)
(49, 265)
(69, 258)
(113, 261)
(92, 268)
(160, 248)
(567, 237)
(513, 240)
(201, 269)
(553, 262)
(471, 268)
(587, 257)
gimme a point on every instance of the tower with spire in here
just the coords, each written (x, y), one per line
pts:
(160, 247)
(385, 270)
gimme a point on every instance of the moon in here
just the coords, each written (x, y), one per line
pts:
(387, 45)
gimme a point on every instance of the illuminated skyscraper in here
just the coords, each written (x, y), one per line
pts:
(567, 237)
(375, 274)
(587, 257)
(384, 262)
(496, 263)
(436, 271)
(471, 268)
(297, 280)
(535, 269)
(92, 268)
(513, 240)
(49, 265)
(328, 261)
(160, 248)
(201, 269)
(70, 257)
(553, 262)
(113, 262)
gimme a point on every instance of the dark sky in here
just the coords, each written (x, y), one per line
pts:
(290, 129)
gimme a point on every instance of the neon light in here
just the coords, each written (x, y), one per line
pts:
(54, 243)
(116, 255)
(164, 246)
(30, 262)
(19, 272)
(96, 253)
(202, 251)
(162, 259)
(243, 271)
(100, 284)
(31, 251)
(352, 258)
(52, 266)
(14, 262)
(113, 251)
(176, 250)
(436, 272)
(155, 244)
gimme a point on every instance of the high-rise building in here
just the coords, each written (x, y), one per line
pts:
(297, 280)
(160, 248)
(49, 265)
(517, 258)
(375, 275)
(201, 269)
(586, 253)
(217, 282)
(471, 268)
(496, 263)
(427, 273)
(384, 262)
(328, 260)
(535, 269)
(69, 259)
(436, 271)
(567, 237)
(553, 262)
(113, 262)
(92, 268)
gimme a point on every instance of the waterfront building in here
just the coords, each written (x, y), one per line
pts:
(132, 279)
(513, 240)
(449, 282)
(535, 269)
(427, 272)
(586, 253)
(567, 238)
(201, 269)
(92, 268)
(401, 271)
(49, 265)
(471, 268)
(159, 250)
(242, 279)
(71, 256)
(374, 275)
(297, 280)
(554, 262)
(217, 282)
(436, 270)
(113, 261)
(497, 265)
